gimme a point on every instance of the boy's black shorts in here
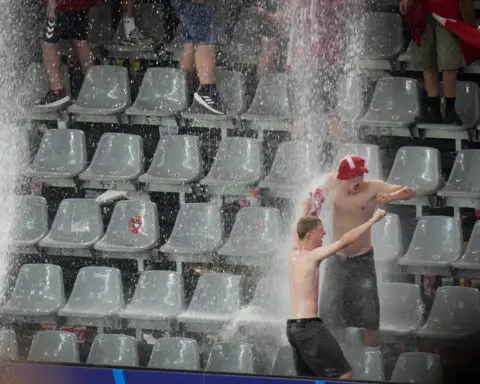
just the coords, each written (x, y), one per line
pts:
(68, 26)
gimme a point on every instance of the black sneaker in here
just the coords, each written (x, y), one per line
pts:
(429, 116)
(54, 99)
(209, 99)
(451, 117)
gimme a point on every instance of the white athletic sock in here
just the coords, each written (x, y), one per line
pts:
(128, 25)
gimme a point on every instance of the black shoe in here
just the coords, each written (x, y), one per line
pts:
(429, 116)
(54, 99)
(451, 117)
(209, 99)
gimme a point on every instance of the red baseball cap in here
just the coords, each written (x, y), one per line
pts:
(351, 166)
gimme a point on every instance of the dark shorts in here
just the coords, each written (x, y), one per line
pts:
(350, 294)
(316, 353)
(198, 24)
(68, 26)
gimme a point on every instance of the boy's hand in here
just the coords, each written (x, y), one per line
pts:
(404, 5)
(51, 9)
(379, 215)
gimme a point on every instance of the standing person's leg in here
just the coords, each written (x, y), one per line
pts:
(133, 36)
(79, 35)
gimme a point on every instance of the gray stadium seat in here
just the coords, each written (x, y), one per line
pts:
(371, 154)
(238, 166)
(157, 301)
(255, 237)
(418, 367)
(176, 164)
(417, 167)
(366, 365)
(270, 108)
(387, 239)
(54, 347)
(163, 93)
(350, 94)
(216, 298)
(116, 164)
(175, 353)
(283, 364)
(197, 234)
(469, 264)
(230, 358)
(37, 296)
(113, 350)
(105, 91)
(232, 90)
(395, 104)
(295, 165)
(455, 314)
(401, 309)
(30, 224)
(437, 242)
(96, 298)
(77, 226)
(61, 157)
(8, 345)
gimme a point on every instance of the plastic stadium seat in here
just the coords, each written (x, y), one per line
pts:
(437, 242)
(283, 364)
(387, 239)
(96, 298)
(255, 237)
(176, 164)
(37, 296)
(371, 154)
(395, 104)
(469, 264)
(401, 309)
(113, 350)
(231, 358)
(176, 353)
(163, 93)
(54, 347)
(116, 164)
(417, 167)
(197, 234)
(295, 165)
(350, 95)
(270, 108)
(238, 166)
(366, 365)
(216, 298)
(157, 301)
(455, 314)
(77, 226)
(30, 223)
(105, 91)
(418, 367)
(8, 345)
(62, 156)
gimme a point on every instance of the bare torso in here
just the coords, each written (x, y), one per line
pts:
(303, 279)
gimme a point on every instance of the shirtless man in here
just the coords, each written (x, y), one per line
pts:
(315, 350)
(351, 293)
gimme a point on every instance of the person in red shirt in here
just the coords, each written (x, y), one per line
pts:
(67, 20)
(440, 51)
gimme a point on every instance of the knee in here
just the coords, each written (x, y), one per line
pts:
(347, 376)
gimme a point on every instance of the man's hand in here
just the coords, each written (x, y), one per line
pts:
(384, 198)
(379, 215)
(404, 5)
(309, 208)
(51, 9)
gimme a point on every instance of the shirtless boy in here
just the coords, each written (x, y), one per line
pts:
(351, 283)
(315, 350)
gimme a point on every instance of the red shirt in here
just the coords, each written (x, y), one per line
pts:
(74, 5)
(444, 8)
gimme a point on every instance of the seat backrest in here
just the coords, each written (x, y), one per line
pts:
(472, 252)
(175, 353)
(216, 293)
(463, 176)
(371, 154)
(350, 95)
(272, 295)
(400, 303)
(381, 46)
(418, 367)
(99, 284)
(283, 364)
(417, 167)
(113, 350)
(8, 345)
(61, 150)
(231, 87)
(77, 221)
(237, 158)
(133, 223)
(31, 220)
(271, 97)
(230, 357)
(468, 100)
(198, 225)
(54, 347)
(387, 237)
(437, 238)
(366, 365)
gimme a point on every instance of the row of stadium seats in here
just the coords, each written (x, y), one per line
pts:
(158, 303)
(235, 357)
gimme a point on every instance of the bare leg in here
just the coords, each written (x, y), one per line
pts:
(205, 56)
(267, 59)
(430, 76)
(347, 376)
(128, 7)
(187, 64)
(52, 61)
(372, 337)
(450, 83)
(84, 54)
